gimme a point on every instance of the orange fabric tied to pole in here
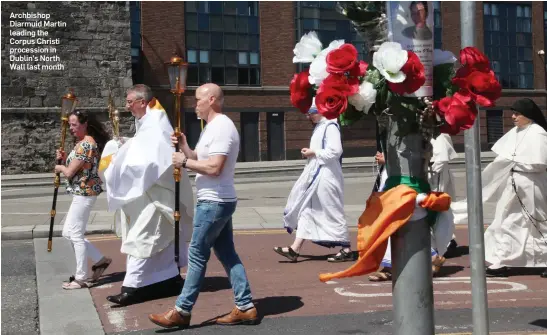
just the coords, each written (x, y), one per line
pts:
(385, 213)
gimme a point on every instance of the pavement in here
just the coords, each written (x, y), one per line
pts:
(289, 296)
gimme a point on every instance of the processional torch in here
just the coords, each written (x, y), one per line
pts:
(114, 116)
(68, 103)
(177, 79)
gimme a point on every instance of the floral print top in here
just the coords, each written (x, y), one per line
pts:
(86, 181)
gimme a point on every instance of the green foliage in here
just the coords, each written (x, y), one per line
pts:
(442, 83)
(350, 116)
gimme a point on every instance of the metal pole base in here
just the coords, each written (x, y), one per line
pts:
(412, 280)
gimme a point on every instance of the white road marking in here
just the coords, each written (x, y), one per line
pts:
(512, 287)
(12, 189)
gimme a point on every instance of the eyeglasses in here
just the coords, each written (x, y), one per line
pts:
(130, 102)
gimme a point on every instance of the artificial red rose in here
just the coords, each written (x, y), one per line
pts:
(360, 70)
(481, 87)
(332, 96)
(457, 114)
(300, 88)
(471, 60)
(342, 60)
(347, 85)
(415, 76)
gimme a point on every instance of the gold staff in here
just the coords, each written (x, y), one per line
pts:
(177, 79)
(68, 103)
(114, 116)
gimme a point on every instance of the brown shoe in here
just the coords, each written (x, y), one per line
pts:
(237, 317)
(170, 319)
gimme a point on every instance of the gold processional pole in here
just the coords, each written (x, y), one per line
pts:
(114, 116)
(68, 103)
(177, 80)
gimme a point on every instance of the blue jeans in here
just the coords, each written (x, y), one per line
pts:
(213, 229)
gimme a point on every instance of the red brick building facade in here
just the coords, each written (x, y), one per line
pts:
(256, 83)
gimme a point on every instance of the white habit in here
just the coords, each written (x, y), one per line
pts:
(141, 189)
(315, 207)
(514, 239)
(440, 179)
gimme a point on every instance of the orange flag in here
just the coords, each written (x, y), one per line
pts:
(385, 213)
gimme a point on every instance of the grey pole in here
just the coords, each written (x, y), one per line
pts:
(411, 244)
(474, 193)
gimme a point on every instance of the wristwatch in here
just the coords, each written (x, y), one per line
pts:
(184, 162)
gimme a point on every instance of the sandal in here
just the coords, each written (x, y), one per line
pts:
(383, 275)
(99, 268)
(290, 254)
(75, 285)
(436, 264)
(342, 256)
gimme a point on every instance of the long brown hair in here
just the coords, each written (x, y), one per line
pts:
(95, 128)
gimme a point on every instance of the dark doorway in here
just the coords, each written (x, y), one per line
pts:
(276, 136)
(249, 137)
(192, 128)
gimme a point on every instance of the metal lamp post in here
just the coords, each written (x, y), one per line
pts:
(68, 103)
(178, 70)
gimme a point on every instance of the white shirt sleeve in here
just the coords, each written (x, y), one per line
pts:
(221, 143)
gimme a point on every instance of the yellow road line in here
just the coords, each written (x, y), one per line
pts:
(242, 232)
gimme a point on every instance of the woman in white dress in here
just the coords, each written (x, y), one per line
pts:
(315, 207)
(518, 178)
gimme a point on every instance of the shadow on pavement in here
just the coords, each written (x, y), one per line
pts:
(448, 270)
(540, 323)
(457, 252)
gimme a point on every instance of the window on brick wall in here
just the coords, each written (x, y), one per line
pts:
(508, 43)
(136, 44)
(494, 126)
(322, 17)
(222, 42)
(438, 33)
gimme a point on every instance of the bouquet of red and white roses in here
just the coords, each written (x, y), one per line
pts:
(345, 87)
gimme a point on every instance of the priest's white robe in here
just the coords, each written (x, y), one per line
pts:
(141, 189)
(315, 207)
(440, 179)
(514, 239)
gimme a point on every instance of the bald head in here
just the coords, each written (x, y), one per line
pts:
(212, 90)
(209, 101)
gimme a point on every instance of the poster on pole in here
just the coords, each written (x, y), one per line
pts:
(411, 23)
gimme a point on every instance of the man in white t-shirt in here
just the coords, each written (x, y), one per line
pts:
(214, 161)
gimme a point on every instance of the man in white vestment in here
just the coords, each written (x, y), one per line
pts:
(517, 179)
(440, 179)
(141, 189)
(315, 207)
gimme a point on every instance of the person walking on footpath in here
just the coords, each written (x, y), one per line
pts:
(213, 160)
(82, 181)
(315, 207)
(138, 174)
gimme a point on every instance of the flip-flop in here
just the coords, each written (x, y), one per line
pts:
(75, 285)
(98, 269)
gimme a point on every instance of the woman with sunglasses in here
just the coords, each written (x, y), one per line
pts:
(82, 181)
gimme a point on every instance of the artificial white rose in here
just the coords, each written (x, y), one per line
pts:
(308, 47)
(443, 57)
(318, 68)
(389, 59)
(365, 98)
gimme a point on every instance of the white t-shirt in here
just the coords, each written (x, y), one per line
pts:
(219, 137)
